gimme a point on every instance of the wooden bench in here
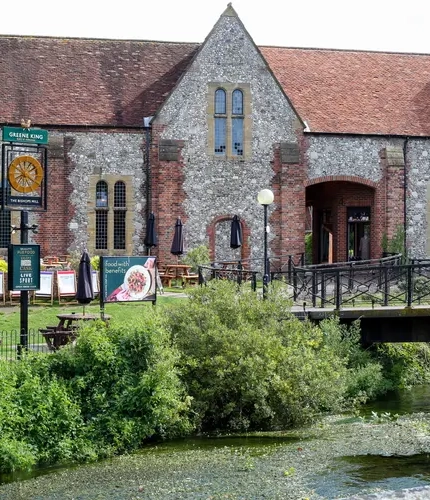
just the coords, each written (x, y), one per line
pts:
(56, 338)
(190, 279)
(166, 279)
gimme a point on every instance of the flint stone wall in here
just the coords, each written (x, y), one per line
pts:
(215, 186)
(99, 154)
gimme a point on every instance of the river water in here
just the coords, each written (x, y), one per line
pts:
(334, 473)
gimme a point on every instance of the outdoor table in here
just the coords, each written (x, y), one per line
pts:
(67, 329)
(68, 321)
(177, 271)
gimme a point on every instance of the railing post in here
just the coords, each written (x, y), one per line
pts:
(338, 290)
(351, 277)
(294, 284)
(239, 274)
(410, 286)
(302, 259)
(322, 289)
(386, 288)
(314, 288)
(254, 281)
(289, 269)
(380, 274)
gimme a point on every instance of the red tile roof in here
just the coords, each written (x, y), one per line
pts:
(355, 92)
(85, 82)
(68, 81)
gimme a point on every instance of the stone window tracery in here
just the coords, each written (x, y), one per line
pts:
(228, 126)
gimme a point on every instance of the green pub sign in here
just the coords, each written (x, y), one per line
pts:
(25, 135)
(24, 267)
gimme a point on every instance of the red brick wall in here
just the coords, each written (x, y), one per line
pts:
(54, 236)
(167, 179)
(289, 218)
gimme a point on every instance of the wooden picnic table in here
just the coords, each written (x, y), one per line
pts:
(178, 271)
(66, 330)
(69, 320)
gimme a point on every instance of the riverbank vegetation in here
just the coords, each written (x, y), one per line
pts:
(221, 361)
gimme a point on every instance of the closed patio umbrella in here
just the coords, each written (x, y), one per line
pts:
(178, 239)
(236, 233)
(85, 293)
(151, 235)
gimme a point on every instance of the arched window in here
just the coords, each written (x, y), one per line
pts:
(220, 121)
(229, 122)
(119, 214)
(102, 207)
(237, 123)
(102, 195)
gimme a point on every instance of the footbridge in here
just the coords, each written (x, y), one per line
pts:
(390, 296)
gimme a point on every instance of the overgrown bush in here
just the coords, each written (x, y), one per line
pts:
(125, 381)
(115, 389)
(39, 420)
(249, 364)
(196, 257)
(405, 364)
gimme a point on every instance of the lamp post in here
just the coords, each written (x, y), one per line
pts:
(265, 197)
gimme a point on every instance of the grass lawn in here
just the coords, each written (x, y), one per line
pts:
(40, 315)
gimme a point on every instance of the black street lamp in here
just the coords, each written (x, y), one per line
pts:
(265, 197)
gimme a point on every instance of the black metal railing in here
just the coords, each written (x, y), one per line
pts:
(232, 271)
(386, 283)
(389, 281)
(14, 345)
(250, 270)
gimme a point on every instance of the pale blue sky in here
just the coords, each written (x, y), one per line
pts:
(388, 25)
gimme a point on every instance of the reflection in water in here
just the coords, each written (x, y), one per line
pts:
(249, 442)
(351, 474)
(415, 400)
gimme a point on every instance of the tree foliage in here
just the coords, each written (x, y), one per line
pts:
(249, 364)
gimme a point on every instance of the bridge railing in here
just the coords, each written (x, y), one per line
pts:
(384, 284)
(235, 271)
(250, 270)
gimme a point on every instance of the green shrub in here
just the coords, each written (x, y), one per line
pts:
(37, 415)
(405, 364)
(95, 262)
(115, 389)
(3, 266)
(125, 381)
(250, 365)
(15, 455)
(397, 243)
(197, 257)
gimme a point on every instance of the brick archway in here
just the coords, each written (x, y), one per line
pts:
(211, 232)
(341, 178)
(335, 238)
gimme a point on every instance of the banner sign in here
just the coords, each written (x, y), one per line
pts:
(127, 279)
(25, 135)
(24, 179)
(24, 267)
